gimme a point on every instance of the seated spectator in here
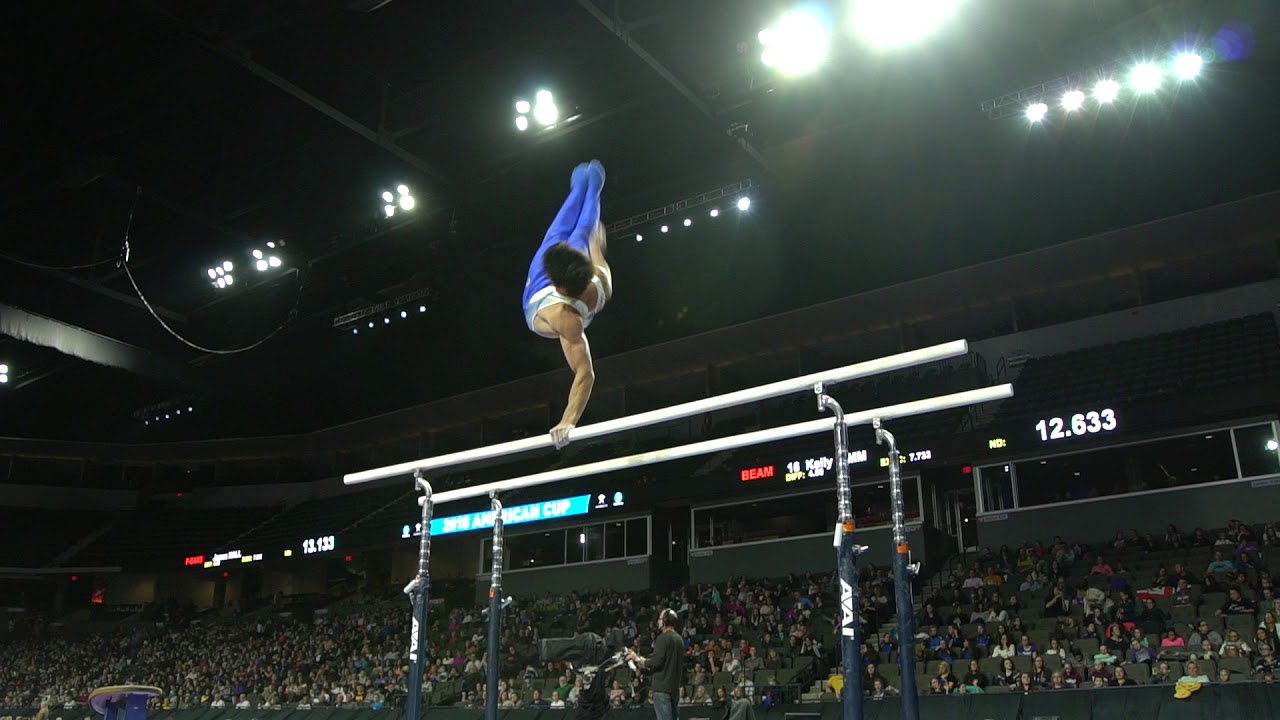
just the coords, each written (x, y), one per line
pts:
(1026, 647)
(974, 677)
(1008, 675)
(1138, 653)
(1102, 567)
(1058, 682)
(880, 690)
(1234, 647)
(1236, 604)
(1003, 649)
(1122, 679)
(1192, 673)
(1104, 656)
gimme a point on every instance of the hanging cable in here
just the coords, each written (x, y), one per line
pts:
(124, 264)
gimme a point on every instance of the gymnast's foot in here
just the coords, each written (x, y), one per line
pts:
(579, 174)
(597, 166)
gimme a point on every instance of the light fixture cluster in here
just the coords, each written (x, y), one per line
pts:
(1144, 78)
(543, 109)
(4, 374)
(800, 41)
(264, 258)
(155, 417)
(386, 319)
(385, 313)
(401, 199)
(743, 204)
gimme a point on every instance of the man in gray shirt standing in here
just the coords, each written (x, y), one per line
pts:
(666, 666)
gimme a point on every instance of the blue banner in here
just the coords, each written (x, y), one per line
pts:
(514, 515)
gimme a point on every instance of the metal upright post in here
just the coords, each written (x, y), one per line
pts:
(494, 666)
(419, 592)
(846, 566)
(903, 573)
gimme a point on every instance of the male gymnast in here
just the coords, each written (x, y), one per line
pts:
(569, 283)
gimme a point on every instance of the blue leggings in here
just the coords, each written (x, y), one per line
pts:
(580, 213)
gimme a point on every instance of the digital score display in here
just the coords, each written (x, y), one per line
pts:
(1089, 422)
(519, 514)
(822, 466)
(324, 543)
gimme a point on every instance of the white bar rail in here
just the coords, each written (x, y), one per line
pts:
(804, 383)
(864, 417)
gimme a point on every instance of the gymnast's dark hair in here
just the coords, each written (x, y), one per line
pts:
(569, 269)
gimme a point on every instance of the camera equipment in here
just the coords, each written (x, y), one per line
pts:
(599, 657)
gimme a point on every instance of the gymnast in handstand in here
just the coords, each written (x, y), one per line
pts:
(569, 283)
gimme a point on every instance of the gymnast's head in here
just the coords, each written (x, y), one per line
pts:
(570, 270)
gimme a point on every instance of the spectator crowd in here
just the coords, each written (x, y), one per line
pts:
(1048, 616)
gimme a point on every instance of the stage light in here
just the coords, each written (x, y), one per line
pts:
(664, 228)
(230, 280)
(796, 45)
(4, 374)
(370, 324)
(1187, 65)
(1037, 111)
(896, 23)
(545, 111)
(390, 210)
(639, 237)
(522, 123)
(714, 212)
(404, 314)
(522, 107)
(688, 222)
(388, 197)
(355, 331)
(1106, 91)
(1145, 78)
(265, 259)
(744, 203)
(1272, 445)
(213, 274)
(422, 308)
(1072, 100)
(386, 321)
(228, 266)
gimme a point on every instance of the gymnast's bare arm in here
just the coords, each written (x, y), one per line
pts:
(573, 340)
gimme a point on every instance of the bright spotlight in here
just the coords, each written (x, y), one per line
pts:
(261, 265)
(222, 282)
(715, 212)
(386, 321)
(404, 313)
(744, 203)
(522, 107)
(664, 228)
(1106, 91)
(546, 114)
(1072, 100)
(1145, 78)
(522, 123)
(274, 261)
(228, 266)
(407, 202)
(796, 45)
(390, 210)
(639, 237)
(388, 197)
(257, 254)
(688, 222)
(213, 274)
(230, 280)
(355, 331)
(895, 23)
(1037, 111)
(403, 189)
(1272, 445)
(422, 308)
(4, 369)
(1187, 65)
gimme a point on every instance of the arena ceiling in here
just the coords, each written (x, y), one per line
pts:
(201, 131)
